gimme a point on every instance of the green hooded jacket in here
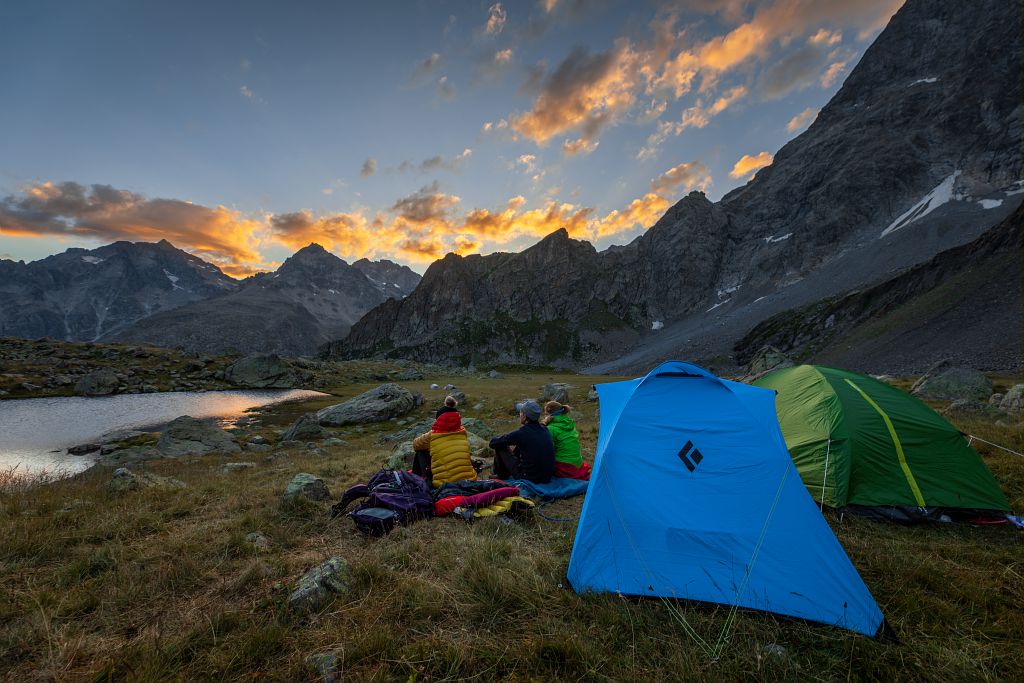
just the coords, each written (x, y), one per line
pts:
(567, 440)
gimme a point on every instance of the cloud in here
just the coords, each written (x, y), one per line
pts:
(750, 165)
(425, 206)
(445, 88)
(424, 70)
(697, 116)
(503, 57)
(588, 92)
(585, 92)
(496, 18)
(105, 213)
(246, 92)
(369, 167)
(690, 175)
(832, 74)
(579, 146)
(436, 162)
(802, 120)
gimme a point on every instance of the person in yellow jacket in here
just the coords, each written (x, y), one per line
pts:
(442, 454)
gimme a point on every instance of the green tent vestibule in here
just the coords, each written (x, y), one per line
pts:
(858, 441)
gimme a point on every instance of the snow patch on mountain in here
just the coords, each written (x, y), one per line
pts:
(942, 194)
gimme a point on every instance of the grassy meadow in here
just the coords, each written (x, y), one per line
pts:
(162, 584)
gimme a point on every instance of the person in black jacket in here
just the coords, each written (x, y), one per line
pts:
(527, 453)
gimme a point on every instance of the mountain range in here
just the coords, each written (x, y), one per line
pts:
(156, 293)
(919, 152)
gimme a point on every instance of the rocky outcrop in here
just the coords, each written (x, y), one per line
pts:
(376, 405)
(188, 436)
(262, 371)
(946, 381)
(555, 392)
(101, 382)
(124, 480)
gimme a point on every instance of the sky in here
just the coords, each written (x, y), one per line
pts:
(242, 131)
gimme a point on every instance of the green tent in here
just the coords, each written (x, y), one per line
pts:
(858, 441)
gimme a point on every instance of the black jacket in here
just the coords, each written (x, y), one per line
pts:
(534, 448)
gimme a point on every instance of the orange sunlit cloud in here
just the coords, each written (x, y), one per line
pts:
(749, 165)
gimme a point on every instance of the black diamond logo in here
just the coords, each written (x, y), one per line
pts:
(690, 456)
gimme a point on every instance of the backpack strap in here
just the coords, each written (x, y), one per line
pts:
(354, 493)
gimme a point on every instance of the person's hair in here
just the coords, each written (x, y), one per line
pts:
(555, 408)
(451, 402)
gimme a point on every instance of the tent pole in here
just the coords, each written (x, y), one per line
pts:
(828, 449)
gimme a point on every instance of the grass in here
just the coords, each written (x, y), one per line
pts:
(156, 585)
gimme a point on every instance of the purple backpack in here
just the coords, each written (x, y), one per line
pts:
(392, 497)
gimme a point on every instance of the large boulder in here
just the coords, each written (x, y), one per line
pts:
(102, 382)
(478, 427)
(305, 428)
(188, 436)
(945, 381)
(319, 585)
(969, 407)
(555, 392)
(376, 405)
(479, 447)
(261, 371)
(1013, 401)
(401, 456)
(125, 480)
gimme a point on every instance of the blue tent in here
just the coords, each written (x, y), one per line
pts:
(694, 496)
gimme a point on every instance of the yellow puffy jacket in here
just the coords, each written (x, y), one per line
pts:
(449, 455)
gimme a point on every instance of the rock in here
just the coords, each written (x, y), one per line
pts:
(478, 406)
(101, 382)
(458, 395)
(946, 381)
(409, 433)
(449, 387)
(306, 427)
(1013, 401)
(409, 375)
(335, 442)
(592, 395)
(319, 585)
(555, 392)
(995, 399)
(258, 540)
(291, 443)
(258, 447)
(479, 447)
(774, 649)
(84, 449)
(325, 664)
(304, 485)
(188, 436)
(125, 480)
(376, 405)
(259, 439)
(435, 386)
(969, 406)
(478, 427)
(134, 454)
(28, 386)
(149, 389)
(262, 371)
(401, 456)
(494, 374)
(237, 466)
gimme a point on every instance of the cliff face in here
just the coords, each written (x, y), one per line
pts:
(919, 152)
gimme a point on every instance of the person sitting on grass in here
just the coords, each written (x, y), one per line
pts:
(568, 457)
(442, 454)
(528, 452)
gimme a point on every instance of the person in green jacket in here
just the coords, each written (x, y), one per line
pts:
(568, 458)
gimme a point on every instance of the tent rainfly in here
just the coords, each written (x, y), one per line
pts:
(694, 497)
(861, 442)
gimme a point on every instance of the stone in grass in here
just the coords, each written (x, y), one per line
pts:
(305, 485)
(305, 428)
(376, 405)
(335, 442)
(258, 540)
(319, 585)
(102, 382)
(237, 466)
(401, 456)
(125, 480)
(478, 427)
(555, 392)
(325, 664)
(944, 380)
(1013, 401)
